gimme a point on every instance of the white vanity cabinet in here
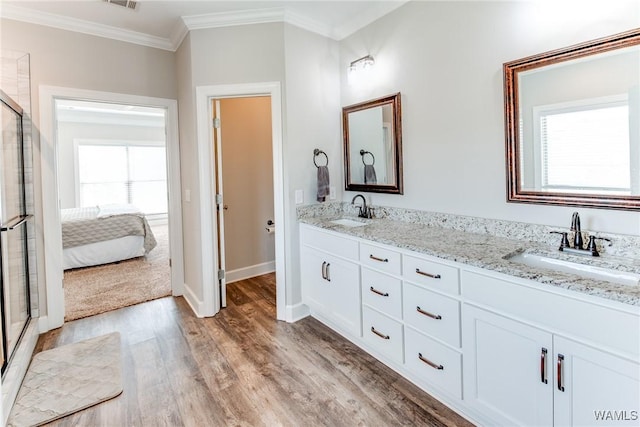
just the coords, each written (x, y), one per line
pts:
(331, 278)
(520, 367)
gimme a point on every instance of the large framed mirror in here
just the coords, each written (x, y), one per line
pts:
(572, 120)
(372, 133)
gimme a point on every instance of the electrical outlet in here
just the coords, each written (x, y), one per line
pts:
(299, 195)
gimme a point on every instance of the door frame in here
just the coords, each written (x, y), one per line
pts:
(206, 174)
(51, 224)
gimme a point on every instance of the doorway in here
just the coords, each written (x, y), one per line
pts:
(50, 155)
(212, 298)
(112, 185)
(243, 150)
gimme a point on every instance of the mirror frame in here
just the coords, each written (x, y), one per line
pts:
(397, 187)
(512, 118)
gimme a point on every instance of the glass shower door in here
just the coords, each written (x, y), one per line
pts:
(14, 277)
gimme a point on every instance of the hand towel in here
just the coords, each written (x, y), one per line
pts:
(370, 175)
(323, 183)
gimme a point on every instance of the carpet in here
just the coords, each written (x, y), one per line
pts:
(94, 290)
(67, 379)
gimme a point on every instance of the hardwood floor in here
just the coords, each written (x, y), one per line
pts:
(243, 368)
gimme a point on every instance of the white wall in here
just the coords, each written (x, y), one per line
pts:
(75, 60)
(446, 58)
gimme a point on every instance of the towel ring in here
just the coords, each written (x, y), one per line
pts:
(373, 159)
(316, 153)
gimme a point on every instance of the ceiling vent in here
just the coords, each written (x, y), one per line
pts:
(129, 4)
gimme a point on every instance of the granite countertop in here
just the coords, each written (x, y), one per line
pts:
(489, 252)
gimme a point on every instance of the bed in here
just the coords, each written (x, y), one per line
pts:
(104, 234)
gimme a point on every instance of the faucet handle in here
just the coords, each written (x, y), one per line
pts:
(591, 246)
(564, 243)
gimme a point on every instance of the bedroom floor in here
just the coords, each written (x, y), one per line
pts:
(243, 367)
(93, 290)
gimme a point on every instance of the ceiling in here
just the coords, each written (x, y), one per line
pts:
(163, 24)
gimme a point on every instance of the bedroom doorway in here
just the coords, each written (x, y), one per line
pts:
(112, 185)
(134, 183)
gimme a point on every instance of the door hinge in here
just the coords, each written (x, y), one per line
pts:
(218, 199)
(216, 122)
(220, 274)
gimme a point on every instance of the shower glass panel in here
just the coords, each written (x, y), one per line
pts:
(14, 276)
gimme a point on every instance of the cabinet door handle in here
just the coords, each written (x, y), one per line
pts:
(429, 362)
(375, 291)
(324, 270)
(380, 334)
(543, 365)
(560, 369)
(426, 313)
(432, 276)
(375, 258)
(328, 272)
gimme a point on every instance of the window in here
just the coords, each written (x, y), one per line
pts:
(574, 141)
(122, 173)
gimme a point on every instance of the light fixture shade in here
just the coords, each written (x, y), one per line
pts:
(360, 68)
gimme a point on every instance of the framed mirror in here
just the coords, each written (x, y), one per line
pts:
(372, 133)
(572, 120)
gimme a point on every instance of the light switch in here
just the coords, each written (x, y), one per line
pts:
(299, 197)
(187, 195)
(332, 192)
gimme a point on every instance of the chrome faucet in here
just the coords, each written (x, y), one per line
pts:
(364, 211)
(577, 232)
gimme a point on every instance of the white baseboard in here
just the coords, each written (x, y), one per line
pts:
(196, 305)
(251, 271)
(297, 312)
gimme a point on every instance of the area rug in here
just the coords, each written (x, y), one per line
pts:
(94, 290)
(67, 379)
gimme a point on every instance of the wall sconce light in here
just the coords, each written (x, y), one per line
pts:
(360, 68)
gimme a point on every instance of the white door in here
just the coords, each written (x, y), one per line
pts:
(592, 387)
(507, 369)
(220, 206)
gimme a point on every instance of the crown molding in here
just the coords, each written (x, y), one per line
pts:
(32, 16)
(230, 19)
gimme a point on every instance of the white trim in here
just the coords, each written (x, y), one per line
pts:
(34, 16)
(251, 271)
(297, 312)
(50, 206)
(191, 298)
(206, 173)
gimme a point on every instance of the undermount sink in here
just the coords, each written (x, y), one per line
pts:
(347, 222)
(583, 270)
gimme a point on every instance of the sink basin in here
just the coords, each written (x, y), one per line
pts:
(347, 222)
(583, 270)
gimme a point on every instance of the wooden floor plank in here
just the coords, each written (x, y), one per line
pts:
(243, 368)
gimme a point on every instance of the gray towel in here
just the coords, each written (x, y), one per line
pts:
(323, 183)
(370, 175)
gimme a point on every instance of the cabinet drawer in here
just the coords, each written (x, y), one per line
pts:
(382, 292)
(383, 334)
(380, 258)
(433, 362)
(440, 277)
(432, 313)
(336, 245)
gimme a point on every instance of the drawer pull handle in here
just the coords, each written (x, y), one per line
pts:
(375, 258)
(543, 365)
(426, 313)
(375, 291)
(380, 334)
(560, 362)
(328, 272)
(324, 270)
(432, 276)
(429, 362)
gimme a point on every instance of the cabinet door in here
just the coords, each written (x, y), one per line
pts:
(343, 279)
(506, 364)
(314, 287)
(592, 387)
